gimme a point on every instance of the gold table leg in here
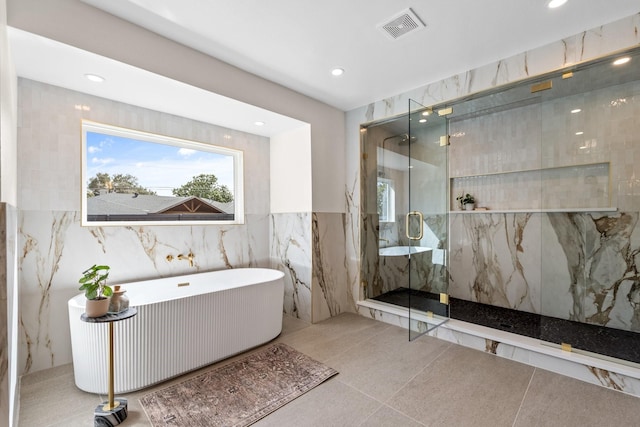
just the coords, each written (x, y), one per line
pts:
(110, 403)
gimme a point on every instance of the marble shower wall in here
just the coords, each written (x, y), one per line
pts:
(599, 262)
(495, 259)
(584, 268)
(52, 246)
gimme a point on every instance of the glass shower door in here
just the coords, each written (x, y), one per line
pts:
(426, 219)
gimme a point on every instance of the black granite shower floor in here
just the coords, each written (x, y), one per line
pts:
(602, 340)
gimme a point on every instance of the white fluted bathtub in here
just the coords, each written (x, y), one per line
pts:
(178, 328)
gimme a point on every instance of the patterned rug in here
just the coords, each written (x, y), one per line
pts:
(237, 394)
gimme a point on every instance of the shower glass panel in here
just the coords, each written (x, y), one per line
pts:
(404, 231)
(425, 219)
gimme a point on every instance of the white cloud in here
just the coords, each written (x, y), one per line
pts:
(186, 152)
(93, 149)
(103, 161)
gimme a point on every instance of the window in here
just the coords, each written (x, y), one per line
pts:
(386, 200)
(133, 177)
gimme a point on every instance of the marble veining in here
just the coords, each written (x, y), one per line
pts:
(55, 248)
(495, 259)
(291, 252)
(584, 269)
(331, 292)
(608, 379)
(45, 256)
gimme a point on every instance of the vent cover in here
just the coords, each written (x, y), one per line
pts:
(401, 24)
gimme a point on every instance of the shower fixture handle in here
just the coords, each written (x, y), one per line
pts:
(421, 227)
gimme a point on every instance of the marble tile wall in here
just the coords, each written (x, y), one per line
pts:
(291, 252)
(331, 294)
(593, 259)
(52, 246)
(496, 258)
(309, 248)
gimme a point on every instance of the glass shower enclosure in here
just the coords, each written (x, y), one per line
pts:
(405, 224)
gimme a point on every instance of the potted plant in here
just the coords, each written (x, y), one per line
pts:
(467, 202)
(94, 284)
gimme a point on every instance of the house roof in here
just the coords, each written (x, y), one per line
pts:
(143, 204)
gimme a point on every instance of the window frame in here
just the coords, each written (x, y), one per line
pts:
(163, 219)
(390, 200)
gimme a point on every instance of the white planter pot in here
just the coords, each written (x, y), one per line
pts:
(97, 307)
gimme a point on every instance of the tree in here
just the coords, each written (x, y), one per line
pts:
(205, 186)
(98, 182)
(119, 183)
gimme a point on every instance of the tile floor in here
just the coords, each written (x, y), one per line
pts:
(384, 380)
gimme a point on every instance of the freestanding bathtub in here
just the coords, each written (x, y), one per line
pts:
(183, 323)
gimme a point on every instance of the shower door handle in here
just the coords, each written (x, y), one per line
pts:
(421, 228)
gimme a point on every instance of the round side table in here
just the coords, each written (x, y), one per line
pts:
(113, 411)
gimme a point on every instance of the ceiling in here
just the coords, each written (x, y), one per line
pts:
(48, 61)
(296, 43)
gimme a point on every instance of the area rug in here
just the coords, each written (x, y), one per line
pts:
(237, 394)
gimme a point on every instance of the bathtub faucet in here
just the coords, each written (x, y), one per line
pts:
(187, 257)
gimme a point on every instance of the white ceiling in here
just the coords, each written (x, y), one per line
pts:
(44, 60)
(296, 43)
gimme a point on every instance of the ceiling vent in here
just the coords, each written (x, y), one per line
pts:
(401, 24)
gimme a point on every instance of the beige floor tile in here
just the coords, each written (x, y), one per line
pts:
(332, 403)
(388, 417)
(465, 387)
(555, 400)
(292, 324)
(40, 399)
(444, 384)
(84, 419)
(382, 365)
(46, 374)
(334, 336)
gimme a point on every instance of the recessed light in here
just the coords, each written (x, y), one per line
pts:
(423, 120)
(579, 133)
(337, 71)
(94, 78)
(555, 3)
(621, 61)
(575, 110)
(426, 113)
(259, 123)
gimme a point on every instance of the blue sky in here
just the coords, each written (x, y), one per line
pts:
(158, 167)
